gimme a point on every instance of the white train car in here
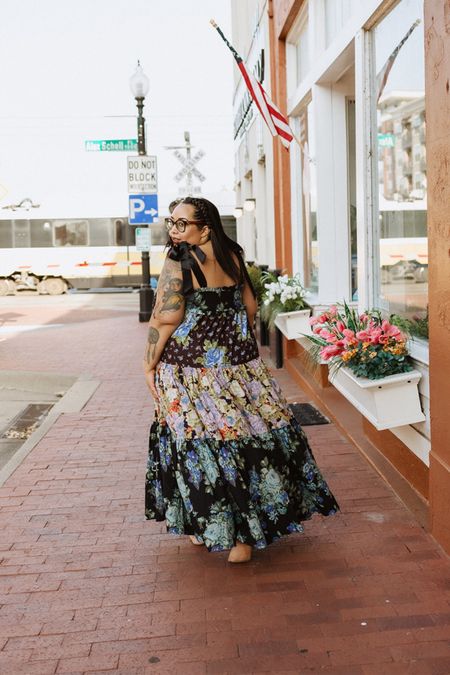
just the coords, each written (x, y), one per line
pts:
(51, 256)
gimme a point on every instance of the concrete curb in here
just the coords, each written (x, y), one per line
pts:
(73, 401)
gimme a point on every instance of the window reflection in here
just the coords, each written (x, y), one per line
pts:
(71, 233)
(401, 126)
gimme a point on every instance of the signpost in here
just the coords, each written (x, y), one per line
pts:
(143, 209)
(114, 145)
(188, 169)
(142, 174)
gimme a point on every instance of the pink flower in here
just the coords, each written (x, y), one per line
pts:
(340, 326)
(326, 335)
(330, 351)
(322, 318)
(313, 320)
(363, 335)
(370, 334)
(391, 331)
(348, 333)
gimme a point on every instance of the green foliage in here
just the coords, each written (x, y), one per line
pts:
(383, 364)
(415, 327)
(256, 277)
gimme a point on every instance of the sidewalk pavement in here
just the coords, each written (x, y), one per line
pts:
(89, 586)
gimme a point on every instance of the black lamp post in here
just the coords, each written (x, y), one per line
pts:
(139, 87)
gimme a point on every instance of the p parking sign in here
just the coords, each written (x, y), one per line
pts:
(143, 209)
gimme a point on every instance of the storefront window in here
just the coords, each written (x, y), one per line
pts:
(309, 201)
(401, 165)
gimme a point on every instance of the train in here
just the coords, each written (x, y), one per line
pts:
(54, 255)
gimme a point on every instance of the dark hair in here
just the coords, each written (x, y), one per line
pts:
(173, 204)
(222, 244)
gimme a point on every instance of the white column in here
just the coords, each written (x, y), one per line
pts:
(332, 194)
(366, 190)
(296, 202)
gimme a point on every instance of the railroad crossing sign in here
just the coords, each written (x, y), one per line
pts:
(143, 209)
(189, 167)
(142, 174)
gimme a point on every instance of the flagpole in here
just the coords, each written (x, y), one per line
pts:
(269, 122)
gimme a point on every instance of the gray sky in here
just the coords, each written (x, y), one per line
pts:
(65, 69)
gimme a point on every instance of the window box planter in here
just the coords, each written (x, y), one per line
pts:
(294, 324)
(391, 401)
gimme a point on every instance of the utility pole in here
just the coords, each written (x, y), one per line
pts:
(139, 86)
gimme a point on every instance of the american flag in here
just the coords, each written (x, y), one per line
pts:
(273, 117)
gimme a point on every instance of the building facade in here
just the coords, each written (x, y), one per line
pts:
(253, 142)
(358, 204)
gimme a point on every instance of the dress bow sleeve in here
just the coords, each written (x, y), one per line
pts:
(182, 252)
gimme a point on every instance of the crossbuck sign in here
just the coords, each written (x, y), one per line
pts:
(189, 165)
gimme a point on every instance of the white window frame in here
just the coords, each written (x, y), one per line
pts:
(368, 226)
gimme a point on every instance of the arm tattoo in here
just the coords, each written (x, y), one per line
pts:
(172, 296)
(153, 337)
(170, 290)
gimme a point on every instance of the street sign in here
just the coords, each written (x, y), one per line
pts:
(143, 209)
(386, 140)
(189, 165)
(142, 174)
(143, 239)
(114, 145)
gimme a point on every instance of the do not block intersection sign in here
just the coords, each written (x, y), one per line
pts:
(142, 174)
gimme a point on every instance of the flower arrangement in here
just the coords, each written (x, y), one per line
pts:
(281, 294)
(369, 345)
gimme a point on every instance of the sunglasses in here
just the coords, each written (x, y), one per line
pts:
(181, 224)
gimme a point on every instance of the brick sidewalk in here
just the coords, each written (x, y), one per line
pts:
(88, 586)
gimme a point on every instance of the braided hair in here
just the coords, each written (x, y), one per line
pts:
(222, 244)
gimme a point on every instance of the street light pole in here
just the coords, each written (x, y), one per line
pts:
(139, 87)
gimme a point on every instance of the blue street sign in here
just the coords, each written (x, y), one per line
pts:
(143, 209)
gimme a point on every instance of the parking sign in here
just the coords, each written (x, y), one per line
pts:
(143, 209)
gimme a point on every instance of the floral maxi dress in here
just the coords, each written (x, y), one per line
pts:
(227, 459)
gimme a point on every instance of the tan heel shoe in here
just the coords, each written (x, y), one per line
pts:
(240, 553)
(195, 541)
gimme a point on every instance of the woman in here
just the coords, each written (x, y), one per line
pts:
(228, 463)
